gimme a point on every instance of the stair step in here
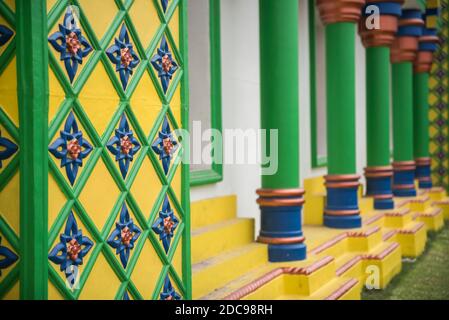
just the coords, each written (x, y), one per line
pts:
(215, 272)
(212, 240)
(433, 218)
(213, 211)
(349, 265)
(339, 289)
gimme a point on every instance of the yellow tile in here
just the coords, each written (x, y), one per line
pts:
(177, 259)
(56, 200)
(99, 22)
(50, 4)
(14, 293)
(99, 98)
(10, 203)
(145, 103)
(175, 105)
(99, 208)
(173, 25)
(147, 271)
(6, 244)
(8, 92)
(11, 4)
(56, 95)
(53, 293)
(176, 183)
(146, 20)
(102, 283)
(146, 187)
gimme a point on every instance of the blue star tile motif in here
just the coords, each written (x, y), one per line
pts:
(124, 57)
(164, 4)
(165, 145)
(124, 236)
(5, 35)
(168, 292)
(71, 148)
(7, 149)
(9, 257)
(71, 44)
(123, 146)
(164, 64)
(166, 224)
(69, 253)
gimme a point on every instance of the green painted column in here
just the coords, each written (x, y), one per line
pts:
(377, 42)
(378, 106)
(340, 93)
(280, 198)
(340, 18)
(421, 115)
(32, 72)
(279, 86)
(403, 54)
(402, 78)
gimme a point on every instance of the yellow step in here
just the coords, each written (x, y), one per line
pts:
(444, 205)
(339, 289)
(412, 238)
(382, 264)
(211, 240)
(420, 203)
(213, 211)
(398, 218)
(433, 217)
(349, 265)
(215, 272)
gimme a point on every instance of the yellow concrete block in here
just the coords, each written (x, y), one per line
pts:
(212, 211)
(212, 240)
(365, 243)
(433, 218)
(387, 267)
(214, 273)
(366, 204)
(412, 242)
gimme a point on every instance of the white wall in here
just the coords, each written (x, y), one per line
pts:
(241, 99)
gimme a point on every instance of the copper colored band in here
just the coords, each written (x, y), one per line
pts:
(342, 178)
(333, 11)
(403, 186)
(404, 166)
(384, 36)
(342, 185)
(424, 179)
(274, 193)
(341, 212)
(267, 202)
(382, 196)
(268, 240)
(423, 161)
(379, 172)
(379, 169)
(431, 39)
(411, 22)
(404, 49)
(423, 62)
(337, 294)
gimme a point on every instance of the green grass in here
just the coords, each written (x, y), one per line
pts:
(425, 279)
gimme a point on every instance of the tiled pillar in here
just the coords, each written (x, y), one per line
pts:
(403, 53)
(280, 198)
(340, 18)
(377, 42)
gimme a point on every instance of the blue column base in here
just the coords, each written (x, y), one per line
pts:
(383, 204)
(404, 179)
(281, 224)
(342, 222)
(423, 173)
(425, 184)
(287, 252)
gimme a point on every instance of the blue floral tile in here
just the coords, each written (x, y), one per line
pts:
(168, 292)
(123, 56)
(164, 64)
(7, 257)
(124, 236)
(71, 148)
(5, 35)
(71, 44)
(165, 145)
(70, 252)
(166, 224)
(123, 145)
(7, 149)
